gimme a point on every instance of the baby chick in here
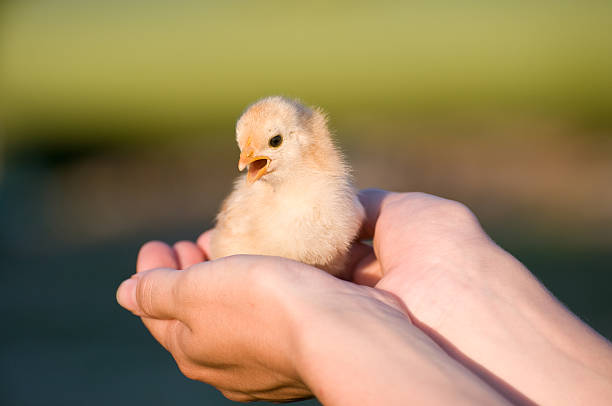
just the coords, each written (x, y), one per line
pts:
(296, 199)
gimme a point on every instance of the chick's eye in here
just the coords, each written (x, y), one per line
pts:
(276, 141)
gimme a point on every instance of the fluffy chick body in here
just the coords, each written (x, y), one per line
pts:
(304, 206)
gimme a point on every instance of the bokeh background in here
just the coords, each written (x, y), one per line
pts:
(117, 122)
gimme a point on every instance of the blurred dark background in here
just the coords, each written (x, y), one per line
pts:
(117, 124)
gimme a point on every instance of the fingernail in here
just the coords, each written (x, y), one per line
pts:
(126, 294)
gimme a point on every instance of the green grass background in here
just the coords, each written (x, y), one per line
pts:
(186, 65)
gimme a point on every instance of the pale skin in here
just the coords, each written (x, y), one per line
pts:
(447, 317)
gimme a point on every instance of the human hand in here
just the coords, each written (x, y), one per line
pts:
(477, 301)
(427, 250)
(274, 329)
(221, 321)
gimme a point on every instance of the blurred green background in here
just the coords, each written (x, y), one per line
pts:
(117, 124)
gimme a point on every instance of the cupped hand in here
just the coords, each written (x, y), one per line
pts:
(478, 302)
(237, 323)
(426, 250)
(217, 319)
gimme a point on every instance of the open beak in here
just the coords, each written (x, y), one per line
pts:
(258, 165)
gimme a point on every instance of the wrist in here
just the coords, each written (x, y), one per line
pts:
(492, 314)
(364, 350)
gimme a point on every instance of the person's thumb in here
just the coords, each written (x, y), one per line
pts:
(151, 294)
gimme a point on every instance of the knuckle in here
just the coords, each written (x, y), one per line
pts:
(399, 202)
(253, 270)
(255, 280)
(144, 293)
(269, 275)
(397, 205)
(262, 278)
(189, 285)
(430, 206)
(453, 209)
(185, 285)
(456, 213)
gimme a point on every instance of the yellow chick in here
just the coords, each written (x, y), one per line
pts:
(296, 199)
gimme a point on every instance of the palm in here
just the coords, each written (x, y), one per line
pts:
(419, 250)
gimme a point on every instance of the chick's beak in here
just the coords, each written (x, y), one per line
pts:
(258, 165)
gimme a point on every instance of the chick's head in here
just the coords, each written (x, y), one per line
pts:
(276, 136)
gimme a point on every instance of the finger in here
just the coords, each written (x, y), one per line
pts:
(368, 271)
(372, 200)
(358, 252)
(187, 254)
(204, 243)
(156, 254)
(152, 294)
